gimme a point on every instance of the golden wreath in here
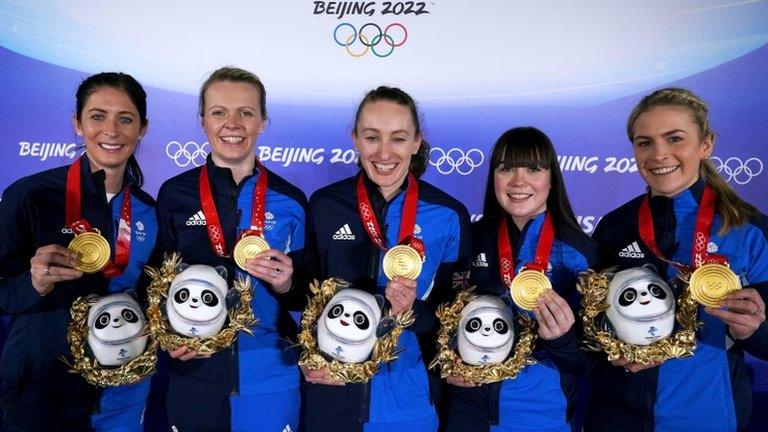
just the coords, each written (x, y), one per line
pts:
(129, 372)
(385, 349)
(450, 361)
(593, 286)
(240, 317)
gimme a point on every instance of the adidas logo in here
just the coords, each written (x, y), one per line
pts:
(287, 428)
(416, 229)
(344, 233)
(632, 251)
(196, 219)
(481, 261)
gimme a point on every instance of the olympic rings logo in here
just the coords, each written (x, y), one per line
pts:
(371, 37)
(456, 159)
(737, 170)
(189, 153)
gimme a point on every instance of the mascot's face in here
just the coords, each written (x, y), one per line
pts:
(196, 303)
(115, 326)
(485, 332)
(347, 328)
(642, 306)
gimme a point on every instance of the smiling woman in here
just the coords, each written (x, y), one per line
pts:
(386, 209)
(234, 192)
(40, 277)
(689, 221)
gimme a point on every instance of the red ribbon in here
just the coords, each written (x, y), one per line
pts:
(407, 220)
(701, 235)
(72, 206)
(212, 222)
(543, 250)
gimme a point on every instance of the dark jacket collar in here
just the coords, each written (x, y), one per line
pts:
(93, 182)
(219, 174)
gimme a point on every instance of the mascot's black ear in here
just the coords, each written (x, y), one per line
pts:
(380, 300)
(181, 267)
(650, 267)
(222, 271)
(132, 294)
(610, 273)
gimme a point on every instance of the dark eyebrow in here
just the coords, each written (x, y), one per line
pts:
(665, 134)
(101, 111)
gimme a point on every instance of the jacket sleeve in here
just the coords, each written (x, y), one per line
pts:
(565, 351)
(452, 273)
(757, 277)
(296, 298)
(121, 408)
(17, 242)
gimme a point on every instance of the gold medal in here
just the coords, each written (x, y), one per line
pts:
(527, 287)
(402, 260)
(248, 247)
(92, 251)
(712, 282)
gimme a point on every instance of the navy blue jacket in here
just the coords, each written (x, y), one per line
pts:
(34, 378)
(339, 247)
(255, 364)
(709, 391)
(543, 395)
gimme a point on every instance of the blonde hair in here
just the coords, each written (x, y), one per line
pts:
(731, 208)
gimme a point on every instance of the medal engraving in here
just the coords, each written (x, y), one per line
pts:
(402, 260)
(92, 251)
(248, 247)
(712, 282)
(527, 286)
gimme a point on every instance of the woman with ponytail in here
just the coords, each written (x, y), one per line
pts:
(672, 141)
(40, 277)
(351, 244)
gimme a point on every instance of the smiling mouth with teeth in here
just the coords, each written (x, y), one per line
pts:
(663, 170)
(232, 139)
(384, 167)
(519, 196)
(107, 146)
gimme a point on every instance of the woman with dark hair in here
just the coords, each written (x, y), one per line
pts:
(254, 384)
(526, 206)
(40, 277)
(350, 243)
(691, 218)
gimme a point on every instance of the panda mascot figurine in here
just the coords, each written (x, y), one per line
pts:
(347, 330)
(196, 304)
(485, 331)
(116, 329)
(641, 306)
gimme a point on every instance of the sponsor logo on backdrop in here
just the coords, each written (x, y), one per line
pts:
(455, 160)
(379, 40)
(45, 150)
(189, 153)
(738, 170)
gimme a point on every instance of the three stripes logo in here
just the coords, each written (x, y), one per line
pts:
(196, 219)
(481, 260)
(632, 251)
(344, 233)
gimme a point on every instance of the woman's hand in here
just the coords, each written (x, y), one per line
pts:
(274, 268)
(183, 353)
(744, 312)
(459, 381)
(401, 293)
(554, 315)
(52, 263)
(319, 376)
(633, 367)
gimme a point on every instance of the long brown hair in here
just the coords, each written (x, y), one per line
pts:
(732, 209)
